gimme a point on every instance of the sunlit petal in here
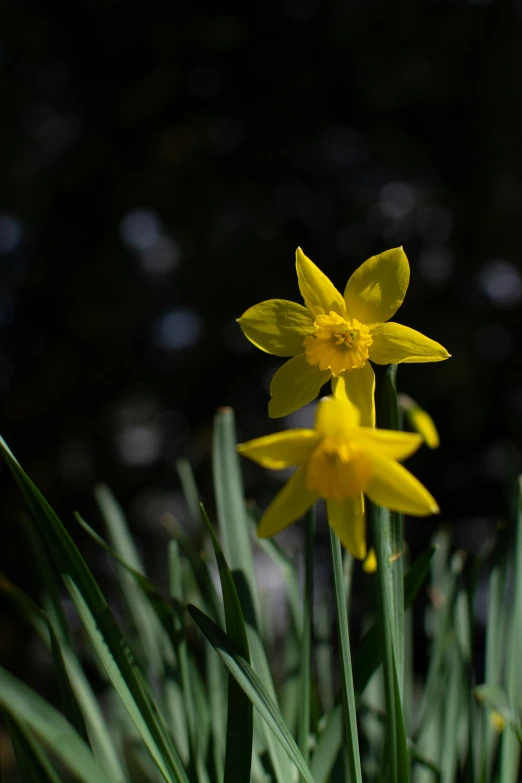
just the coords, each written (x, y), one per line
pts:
(319, 293)
(358, 386)
(389, 443)
(370, 564)
(420, 420)
(277, 326)
(288, 505)
(394, 344)
(336, 417)
(282, 450)
(347, 518)
(377, 288)
(394, 487)
(295, 384)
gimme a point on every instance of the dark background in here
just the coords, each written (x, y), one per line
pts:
(161, 162)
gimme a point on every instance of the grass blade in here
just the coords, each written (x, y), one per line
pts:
(393, 544)
(51, 728)
(230, 502)
(350, 719)
(181, 648)
(70, 706)
(253, 687)
(99, 734)
(240, 727)
(510, 749)
(234, 527)
(92, 606)
(366, 659)
(33, 764)
(139, 610)
(306, 637)
(383, 538)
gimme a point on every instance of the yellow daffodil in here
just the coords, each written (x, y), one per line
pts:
(339, 461)
(334, 336)
(420, 420)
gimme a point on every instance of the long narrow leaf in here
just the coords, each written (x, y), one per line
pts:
(240, 728)
(52, 729)
(350, 719)
(33, 764)
(253, 687)
(87, 595)
(306, 638)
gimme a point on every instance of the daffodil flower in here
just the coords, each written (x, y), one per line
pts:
(339, 461)
(334, 337)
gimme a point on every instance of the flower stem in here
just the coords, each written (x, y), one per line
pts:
(390, 534)
(350, 720)
(306, 635)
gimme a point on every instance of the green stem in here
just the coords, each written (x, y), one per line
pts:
(381, 537)
(350, 719)
(306, 636)
(393, 539)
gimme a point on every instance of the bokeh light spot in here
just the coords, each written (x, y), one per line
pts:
(178, 329)
(11, 233)
(501, 282)
(141, 229)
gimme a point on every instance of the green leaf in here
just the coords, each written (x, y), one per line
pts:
(390, 550)
(33, 764)
(366, 659)
(94, 610)
(240, 728)
(510, 749)
(70, 704)
(234, 528)
(496, 698)
(230, 502)
(180, 643)
(349, 714)
(452, 714)
(190, 491)
(328, 746)
(99, 734)
(383, 538)
(306, 638)
(139, 609)
(253, 687)
(51, 728)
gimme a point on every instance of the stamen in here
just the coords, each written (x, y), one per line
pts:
(338, 344)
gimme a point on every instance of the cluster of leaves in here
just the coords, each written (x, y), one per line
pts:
(170, 710)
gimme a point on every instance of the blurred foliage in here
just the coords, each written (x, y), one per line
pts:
(159, 165)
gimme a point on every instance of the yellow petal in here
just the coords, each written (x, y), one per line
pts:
(347, 518)
(282, 450)
(358, 386)
(277, 326)
(389, 443)
(421, 421)
(295, 384)
(319, 293)
(497, 721)
(288, 505)
(376, 290)
(370, 564)
(336, 417)
(394, 344)
(394, 487)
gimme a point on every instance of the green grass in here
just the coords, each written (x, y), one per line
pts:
(195, 688)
